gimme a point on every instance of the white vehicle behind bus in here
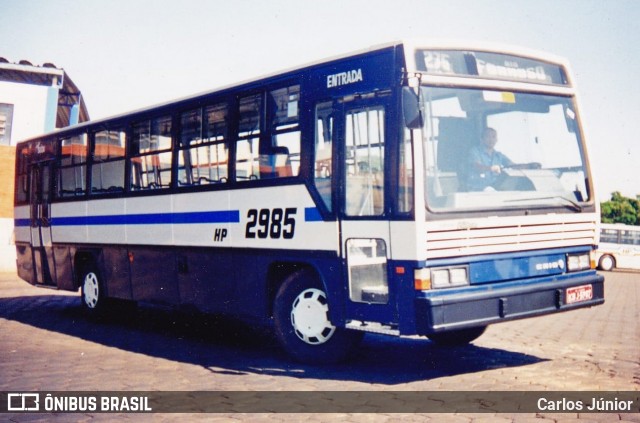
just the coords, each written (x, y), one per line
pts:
(619, 247)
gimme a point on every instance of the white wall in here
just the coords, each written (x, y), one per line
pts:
(29, 108)
(29, 114)
(7, 248)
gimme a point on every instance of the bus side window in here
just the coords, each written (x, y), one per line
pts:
(22, 176)
(204, 153)
(282, 157)
(151, 154)
(73, 166)
(609, 235)
(247, 147)
(630, 237)
(107, 170)
(274, 153)
(323, 151)
(364, 162)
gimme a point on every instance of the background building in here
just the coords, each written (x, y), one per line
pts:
(33, 100)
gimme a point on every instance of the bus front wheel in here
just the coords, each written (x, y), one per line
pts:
(606, 263)
(302, 325)
(458, 337)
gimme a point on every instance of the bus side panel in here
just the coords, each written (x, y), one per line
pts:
(628, 257)
(142, 227)
(22, 236)
(203, 219)
(402, 282)
(68, 222)
(99, 232)
(153, 275)
(333, 276)
(22, 226)
(259, 274)
(24, 262)
(249, 275)
(280, 227)
(280, 218)
(116, 272)
(63, 268)
(206, 279)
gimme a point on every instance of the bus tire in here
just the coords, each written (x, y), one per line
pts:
(456, 338)
(302, 326)
(606, 263)
(93, 297)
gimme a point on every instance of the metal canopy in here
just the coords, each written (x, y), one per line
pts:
(48, 75)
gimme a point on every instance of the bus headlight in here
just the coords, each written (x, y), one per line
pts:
(445, 277)
(576, 262)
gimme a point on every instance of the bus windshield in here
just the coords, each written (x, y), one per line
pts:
(487, 149)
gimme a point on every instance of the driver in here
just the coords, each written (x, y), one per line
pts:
(486, 163)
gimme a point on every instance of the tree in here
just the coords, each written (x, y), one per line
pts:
(620, 209)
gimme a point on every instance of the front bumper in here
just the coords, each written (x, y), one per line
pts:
(444, 310)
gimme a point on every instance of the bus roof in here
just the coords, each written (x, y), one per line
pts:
(407, 44)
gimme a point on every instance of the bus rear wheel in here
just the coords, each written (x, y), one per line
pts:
(92, 291)
(456, 338)
(607, 263)
(302, 325)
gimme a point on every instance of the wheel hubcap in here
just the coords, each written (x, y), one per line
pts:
(90, 290)
(309, 317)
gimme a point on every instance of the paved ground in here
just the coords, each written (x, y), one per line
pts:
(47, 343)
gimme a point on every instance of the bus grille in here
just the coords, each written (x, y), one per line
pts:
(496, 235)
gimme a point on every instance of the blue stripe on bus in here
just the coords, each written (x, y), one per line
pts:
(21, 222)
(311, 214)
(226, 216)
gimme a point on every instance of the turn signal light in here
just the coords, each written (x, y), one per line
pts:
(422, 279)
(444, 277)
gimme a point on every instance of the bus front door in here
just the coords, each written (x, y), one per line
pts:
(40, 215)
(362, 131)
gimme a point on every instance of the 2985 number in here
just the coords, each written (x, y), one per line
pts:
(271, 223)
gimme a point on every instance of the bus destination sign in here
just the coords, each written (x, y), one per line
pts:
(489, 65)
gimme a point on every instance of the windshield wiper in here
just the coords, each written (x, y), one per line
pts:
(570, 203)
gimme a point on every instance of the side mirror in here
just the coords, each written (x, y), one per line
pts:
(411, 109)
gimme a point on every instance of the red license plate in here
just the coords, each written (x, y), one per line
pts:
(578, 294)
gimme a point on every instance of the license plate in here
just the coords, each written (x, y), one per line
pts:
(578, 294)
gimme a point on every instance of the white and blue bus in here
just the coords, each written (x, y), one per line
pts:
(619, 247)
(360, 193)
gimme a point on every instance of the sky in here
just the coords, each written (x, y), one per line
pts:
(129, 54)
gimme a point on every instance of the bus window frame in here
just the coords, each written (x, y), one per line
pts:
(59, 167)
(179, 148)
(119, 128)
